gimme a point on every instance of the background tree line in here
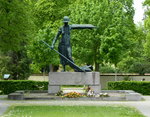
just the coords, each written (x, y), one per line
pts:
(115, 45)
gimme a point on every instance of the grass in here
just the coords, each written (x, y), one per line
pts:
(71, 111)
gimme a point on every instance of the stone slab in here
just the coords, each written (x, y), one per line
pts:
(74, 78)
(133, 97)
(16, 96)
(53, 89)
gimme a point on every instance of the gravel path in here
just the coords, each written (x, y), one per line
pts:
(142, 106)
(3, 108)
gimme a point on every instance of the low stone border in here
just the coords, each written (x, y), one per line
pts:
(129, 94)
(16, 96)
(124, 95)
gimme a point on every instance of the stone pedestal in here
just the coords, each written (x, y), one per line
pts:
(56, 79)
(96, 89)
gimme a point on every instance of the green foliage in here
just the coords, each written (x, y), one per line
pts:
(147, 27)
(51, 12)
(126, 78)
(42, 56)
(18, 66)
(16, 30)
(135, 59)
(23, 24)
(16, 26)
(104, 44)
(107, 69)
(137, 86)
(3, 64)
(140, 67)
(116, 41)
(9, 86)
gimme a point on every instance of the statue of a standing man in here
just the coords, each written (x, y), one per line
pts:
(64, 45)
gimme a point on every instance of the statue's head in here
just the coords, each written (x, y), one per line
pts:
(66, 19)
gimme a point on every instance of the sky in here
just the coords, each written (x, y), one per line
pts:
(139, 11)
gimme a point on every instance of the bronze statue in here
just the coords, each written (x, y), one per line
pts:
(64, 47)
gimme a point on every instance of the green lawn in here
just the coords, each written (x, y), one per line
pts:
(71, 111)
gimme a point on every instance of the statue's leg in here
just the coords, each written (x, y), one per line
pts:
(61, 49)
(69, 53)
(64, 68)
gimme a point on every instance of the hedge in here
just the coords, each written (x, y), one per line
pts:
(142, 87)
(9, 86)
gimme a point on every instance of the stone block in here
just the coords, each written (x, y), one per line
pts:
(74, 78)
(53, 89)
(133, 97)
(16, 96)
(56, 79)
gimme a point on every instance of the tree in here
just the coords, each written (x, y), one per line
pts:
(106, 43)
(49, 13)
(147, 27)
(15, 24)
(115, 41)
(16, 31)
(3, 64)
(135, 60)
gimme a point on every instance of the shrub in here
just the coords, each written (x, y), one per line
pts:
(142, 87)
(9, 86)
(107, 69)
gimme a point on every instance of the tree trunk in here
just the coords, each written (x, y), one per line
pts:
(54, 68)
(96, 57)
(96, 66)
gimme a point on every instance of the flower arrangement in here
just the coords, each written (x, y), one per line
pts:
(73, 95)
(103, 95)
(90, 93)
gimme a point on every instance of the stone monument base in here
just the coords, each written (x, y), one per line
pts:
(56, 79)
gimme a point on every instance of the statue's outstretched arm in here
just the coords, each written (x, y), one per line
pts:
(82, 26)
(56, 37)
